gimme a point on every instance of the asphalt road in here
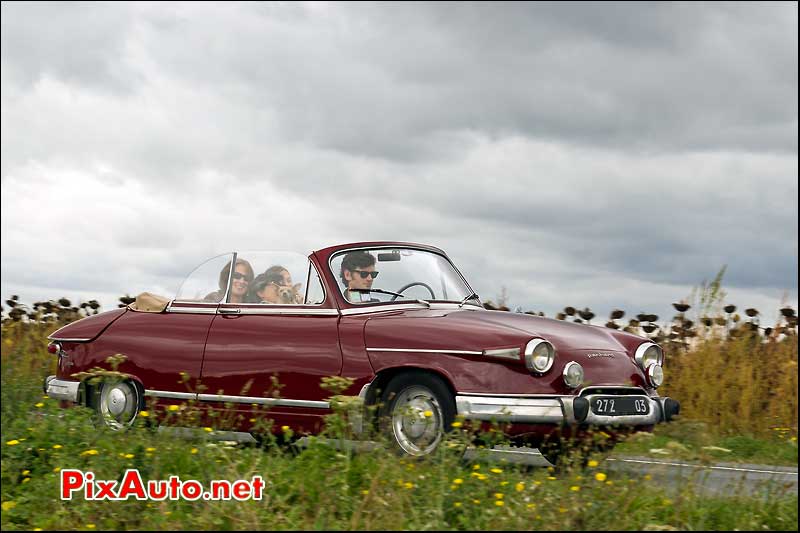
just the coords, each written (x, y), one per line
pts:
(676, 475)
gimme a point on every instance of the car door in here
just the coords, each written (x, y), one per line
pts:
(273, 355)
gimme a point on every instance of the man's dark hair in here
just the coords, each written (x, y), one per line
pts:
(355, 260)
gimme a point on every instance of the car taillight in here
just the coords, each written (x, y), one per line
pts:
(54, 347)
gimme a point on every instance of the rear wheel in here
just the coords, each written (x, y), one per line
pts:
(117, 404)
(417, 408)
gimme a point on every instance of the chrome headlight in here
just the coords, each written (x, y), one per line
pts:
(573, 375)
(539, 356)
(648, 354)
(655, 375)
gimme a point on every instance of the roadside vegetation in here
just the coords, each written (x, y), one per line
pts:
(736, 380)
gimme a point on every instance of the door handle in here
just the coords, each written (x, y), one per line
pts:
(229, 311)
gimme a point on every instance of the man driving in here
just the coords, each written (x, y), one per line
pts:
(358, 272)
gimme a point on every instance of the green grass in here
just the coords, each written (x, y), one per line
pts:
(695, 441)
(322, 488)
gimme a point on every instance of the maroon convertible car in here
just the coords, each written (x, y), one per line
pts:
(397, 318)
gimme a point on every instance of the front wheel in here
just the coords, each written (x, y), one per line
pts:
(416, 410)
(117, 404)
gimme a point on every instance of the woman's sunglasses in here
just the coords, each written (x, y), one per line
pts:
(364, 274)
(239, 275)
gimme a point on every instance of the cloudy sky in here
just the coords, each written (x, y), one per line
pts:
(600, 155)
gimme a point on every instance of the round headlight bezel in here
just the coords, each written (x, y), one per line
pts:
(566, 375)
(647, 354)
(533, 354)
(655, 375)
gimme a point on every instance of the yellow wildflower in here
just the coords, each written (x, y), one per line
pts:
(26, 472)
(150, 450)
(428, 414)
(476, 502)
(25, 480)
(531, 506)
(285, 428)
(562, 509)
(194, 450)
(365, 492)
(520, 486)
(609, 482)
(144, 414)
(7, 506)
(40, 404)
(498, 495)
(408, 485)
(476, 467)
(207, 429)
(57, 446)
(458, 481)
(173, 407)
(12, 442)
(496, 471)
(600, 476)
(499, 503)
(57, 469)
(503, 483)
(575, 488)
(648, 477)
(91, 526)
(593, 464)
(90, 452)
(129, 456)
(456, 424)
(457, 504)
(551, 478)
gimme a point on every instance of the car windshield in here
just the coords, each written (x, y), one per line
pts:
(397, 274)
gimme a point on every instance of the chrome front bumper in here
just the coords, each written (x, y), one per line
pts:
(61, 389)
(569, 410)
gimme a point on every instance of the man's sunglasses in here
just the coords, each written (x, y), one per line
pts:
(364, 274)
(239, 275)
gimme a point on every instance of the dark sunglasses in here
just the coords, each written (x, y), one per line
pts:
(364, 274)
(239, 275)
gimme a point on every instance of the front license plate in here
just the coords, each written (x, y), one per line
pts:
(620, 405)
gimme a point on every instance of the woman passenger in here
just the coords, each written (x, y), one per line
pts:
(242, 276)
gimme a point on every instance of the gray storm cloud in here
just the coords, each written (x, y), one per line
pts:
(547, 146)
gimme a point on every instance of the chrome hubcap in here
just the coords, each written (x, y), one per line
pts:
(119, 405)
(417, 421)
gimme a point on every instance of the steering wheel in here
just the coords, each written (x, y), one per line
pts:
(413, 284)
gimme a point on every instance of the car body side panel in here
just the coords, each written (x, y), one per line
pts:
(158, 348)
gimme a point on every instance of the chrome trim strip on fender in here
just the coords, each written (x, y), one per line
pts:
(66, 339)
(415, 350)
(171, 395)
(504, 353)
(263, 401)
(236, 399)
(61, 389)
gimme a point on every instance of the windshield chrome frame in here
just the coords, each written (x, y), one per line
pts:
(395, 247)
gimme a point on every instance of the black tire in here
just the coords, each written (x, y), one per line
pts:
(416, 410)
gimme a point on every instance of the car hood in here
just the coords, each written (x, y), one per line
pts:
(476, 330)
